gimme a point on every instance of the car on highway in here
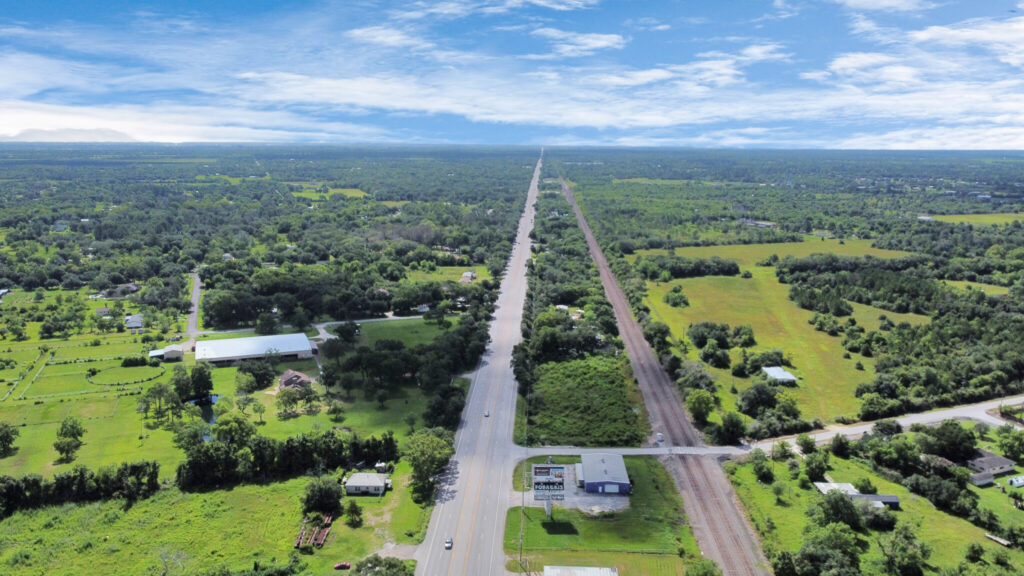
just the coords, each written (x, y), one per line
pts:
(342, 565)
(487, 413)
(448, 543)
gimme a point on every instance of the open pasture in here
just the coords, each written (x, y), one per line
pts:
(747, 255)
(312, 193)
(231, 528)
(827, 381)
(981, 219)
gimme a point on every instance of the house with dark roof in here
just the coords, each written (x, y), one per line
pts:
(987, 465)
(294, 380)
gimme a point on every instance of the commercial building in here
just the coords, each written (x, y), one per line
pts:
(851, 492)
(232, 351)
(603, 474)
(579, 571)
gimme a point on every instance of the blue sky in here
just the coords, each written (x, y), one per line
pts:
(926, 74)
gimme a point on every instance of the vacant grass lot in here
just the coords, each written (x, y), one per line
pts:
(313, 194)
(986, 288)
(649, 538)
(448, 274)
(229, 528)
(827, 381)
(412, 331)
(980, 219)
(593, 401)
(948, 535)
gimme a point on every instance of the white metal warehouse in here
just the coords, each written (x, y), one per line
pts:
(227, 352)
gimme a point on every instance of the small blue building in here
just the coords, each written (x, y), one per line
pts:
(603, 474)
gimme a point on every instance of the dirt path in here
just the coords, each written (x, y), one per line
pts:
(721, 528)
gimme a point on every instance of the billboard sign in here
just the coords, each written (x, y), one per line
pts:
(548, 479)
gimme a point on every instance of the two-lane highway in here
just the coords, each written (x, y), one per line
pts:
(472, 499)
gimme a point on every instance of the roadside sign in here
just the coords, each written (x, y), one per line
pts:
(548, 482)
(548, 496)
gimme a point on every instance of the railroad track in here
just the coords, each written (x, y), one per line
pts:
(718, 523)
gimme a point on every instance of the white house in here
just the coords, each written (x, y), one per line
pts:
(367, 483)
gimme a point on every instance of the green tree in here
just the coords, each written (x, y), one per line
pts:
(353, 514)
(704, 567)
(428, 451)
(180, 382)
(259, 409)
(377, 566)
(69, 438)
(835, 506)
(732, 429)
(806, 443)
(8, 434)
(700, 404)
(202, 380)
(323, 495)
(903, 554)
(287, 399)
(234, 429)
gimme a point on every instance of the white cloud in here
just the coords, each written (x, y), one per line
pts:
(887, 5)
(388, 37)
(632, 77)
(986, 137)
(574, 44)
(1005, 38)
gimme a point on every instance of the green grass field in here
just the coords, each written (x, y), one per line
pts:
(948, 535)
(980, 219)
(747, 255)
(827, 381)
(411, 331)
(229, 528)
(986, 288)
(448, 274)
(313, 194)
(646, 539)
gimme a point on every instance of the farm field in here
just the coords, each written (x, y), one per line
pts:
(827, 381)
(648, 538)
(947, 535)
(980, 219)
(230, 528)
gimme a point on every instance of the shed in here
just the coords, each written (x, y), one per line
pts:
(172, 352)
(467, 277)
(778, 374)
(603, 474)
(880, 500)
(580, 571)
(1017, 481)
(366, 483)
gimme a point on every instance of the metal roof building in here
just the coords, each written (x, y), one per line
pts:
(603, 473)
(235, 350)
(579, 571)
(778, 374)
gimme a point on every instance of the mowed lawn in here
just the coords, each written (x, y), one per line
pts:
(412, 331)
(827, 381)
(645, 539)
(231, 528)
(448, 274)
(980, 219)
(948, 535)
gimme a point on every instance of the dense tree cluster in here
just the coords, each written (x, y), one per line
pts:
(129, 481)
(258, 458)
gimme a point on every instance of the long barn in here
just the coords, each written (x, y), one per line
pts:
(234, 350)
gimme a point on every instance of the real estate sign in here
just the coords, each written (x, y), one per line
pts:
(548, 482)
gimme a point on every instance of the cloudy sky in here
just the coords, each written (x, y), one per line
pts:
(705, 73)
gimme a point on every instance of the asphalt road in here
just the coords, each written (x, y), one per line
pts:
(473, 496)
(714, 514)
